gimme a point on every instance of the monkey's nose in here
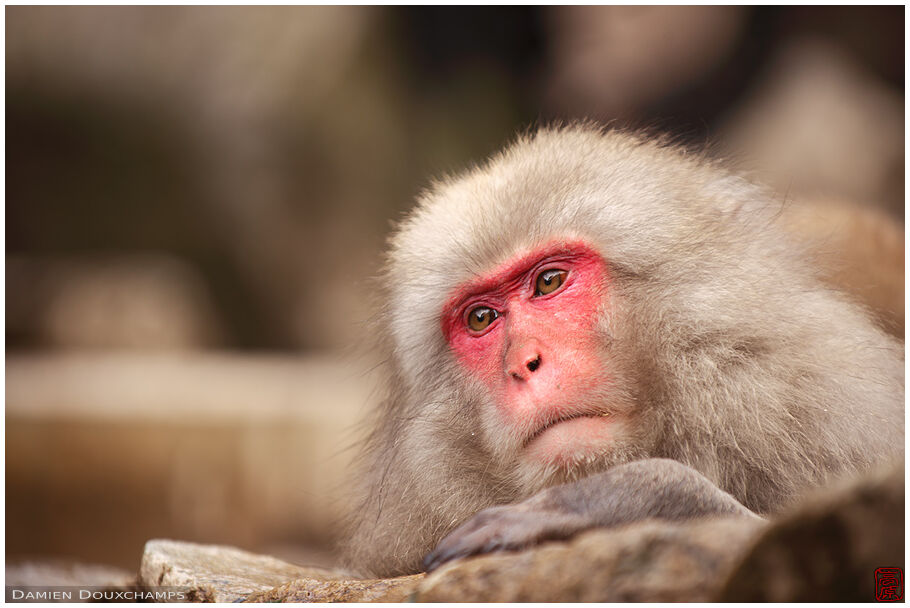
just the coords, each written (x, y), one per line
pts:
(527, 365)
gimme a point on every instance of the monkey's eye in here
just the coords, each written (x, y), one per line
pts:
(481, 317)
(549, 281)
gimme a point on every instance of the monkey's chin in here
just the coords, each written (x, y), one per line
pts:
(572, 442)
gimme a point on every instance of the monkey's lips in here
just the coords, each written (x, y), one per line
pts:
(570, 438)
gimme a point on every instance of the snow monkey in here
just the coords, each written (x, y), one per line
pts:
(595, 328)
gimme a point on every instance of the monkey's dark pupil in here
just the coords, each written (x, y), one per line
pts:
(549, 281)
(481, 317)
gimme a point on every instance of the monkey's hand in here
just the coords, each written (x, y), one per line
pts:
(653, 488)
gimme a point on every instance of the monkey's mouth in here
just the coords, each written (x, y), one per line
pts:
(530, 439)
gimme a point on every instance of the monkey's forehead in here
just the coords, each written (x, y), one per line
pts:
(629, 198)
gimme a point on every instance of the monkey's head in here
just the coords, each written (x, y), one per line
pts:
(537, 284)
(588, 298)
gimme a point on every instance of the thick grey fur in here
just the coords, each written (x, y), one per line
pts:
(734, 359)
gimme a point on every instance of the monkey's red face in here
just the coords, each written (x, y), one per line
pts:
(527, 331)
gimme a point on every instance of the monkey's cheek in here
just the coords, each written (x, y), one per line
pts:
(574, 441)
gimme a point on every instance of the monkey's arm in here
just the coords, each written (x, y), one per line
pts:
(653, 488)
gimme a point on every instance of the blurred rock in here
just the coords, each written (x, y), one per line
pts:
(245, 450)
(129, 302)
(819, 126)
(62, 573)
(828, 550)
(236, 57)
(232, 135)
(611, 61)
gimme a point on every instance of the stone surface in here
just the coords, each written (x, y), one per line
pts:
(827, 550)
(215, 573)
(342, 590)
(652, 561)
(212, 573)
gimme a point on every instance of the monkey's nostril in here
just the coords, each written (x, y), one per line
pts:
(534, 363)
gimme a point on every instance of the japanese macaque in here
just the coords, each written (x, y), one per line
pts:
(593, 329)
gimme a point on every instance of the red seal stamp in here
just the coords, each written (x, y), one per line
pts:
(889, 584)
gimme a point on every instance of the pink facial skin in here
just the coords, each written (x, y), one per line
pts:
(539, 358)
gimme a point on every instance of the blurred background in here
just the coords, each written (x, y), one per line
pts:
(196, 198)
